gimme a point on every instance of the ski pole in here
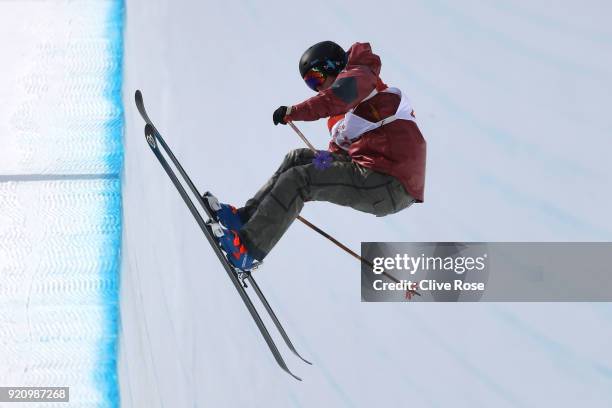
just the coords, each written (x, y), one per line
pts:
(351, 252)
(301, 135)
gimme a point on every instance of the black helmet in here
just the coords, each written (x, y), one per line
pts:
(322, 59)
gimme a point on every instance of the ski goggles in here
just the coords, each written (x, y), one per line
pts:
(314, 78)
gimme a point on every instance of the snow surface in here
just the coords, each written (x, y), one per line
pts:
(61, 128)
(513, 98)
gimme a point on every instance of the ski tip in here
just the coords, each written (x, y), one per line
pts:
(138, 95)
(298, 354)
(294, 376)
(285, 368)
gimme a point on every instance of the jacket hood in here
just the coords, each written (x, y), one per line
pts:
(361, 54)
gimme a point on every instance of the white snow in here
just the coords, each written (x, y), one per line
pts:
(513, 98)
(59, 198)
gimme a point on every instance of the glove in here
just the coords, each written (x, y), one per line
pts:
(279, 115)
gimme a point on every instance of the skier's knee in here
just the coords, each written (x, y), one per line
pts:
(296, 156)
(292, 179)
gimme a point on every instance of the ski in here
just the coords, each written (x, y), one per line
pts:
(277, 323)
(238, 277)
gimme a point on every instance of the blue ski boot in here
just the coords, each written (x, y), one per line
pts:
(226, 214)
(230, 223)
(236, 252)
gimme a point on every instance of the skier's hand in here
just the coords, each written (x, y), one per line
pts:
(279, 115)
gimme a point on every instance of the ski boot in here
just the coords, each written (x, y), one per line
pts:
(236, 252)
(226, 228)
(226, 214)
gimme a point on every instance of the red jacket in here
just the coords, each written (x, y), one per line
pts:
(396, 148)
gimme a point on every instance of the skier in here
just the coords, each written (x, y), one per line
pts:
(378, 153)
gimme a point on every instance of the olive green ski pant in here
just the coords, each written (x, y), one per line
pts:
(279, 201)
